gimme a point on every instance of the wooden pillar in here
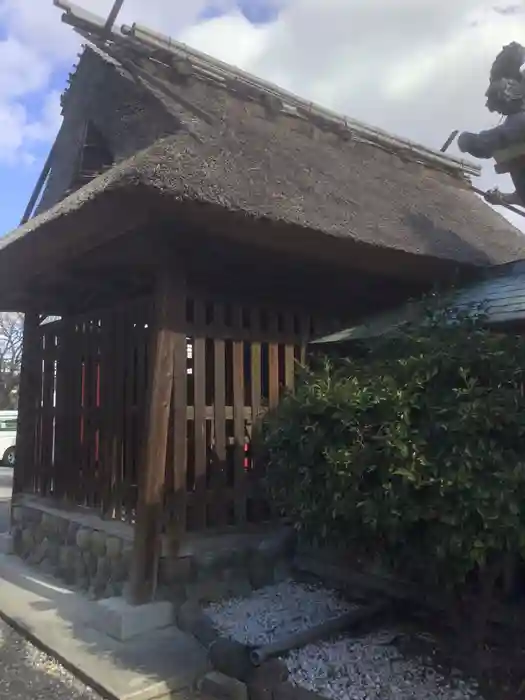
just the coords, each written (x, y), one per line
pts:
(28, 395)
(167, 329)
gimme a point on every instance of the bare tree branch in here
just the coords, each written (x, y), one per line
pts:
(11, 340)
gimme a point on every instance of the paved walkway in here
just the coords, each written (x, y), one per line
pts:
(157, 665)
(25, 671)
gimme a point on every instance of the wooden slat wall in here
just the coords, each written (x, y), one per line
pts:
(116, 466)
(219, 475)
(231, 364)
(199, 428)
(88, 408)
(239, 361)
(107, 413)
(47, 414)
(239, 421)
(176, 515)
(30, 386)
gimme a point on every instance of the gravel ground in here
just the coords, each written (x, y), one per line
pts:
(275, 611)
(28, 674)
(370, 667)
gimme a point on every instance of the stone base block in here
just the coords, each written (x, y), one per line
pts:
(119, 619)
(216, 685)
(6, 543)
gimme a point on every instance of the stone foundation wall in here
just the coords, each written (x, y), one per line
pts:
(227, 566)
(81, 556)
(94, 555)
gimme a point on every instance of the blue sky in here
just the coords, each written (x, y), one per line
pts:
(19, 172)
(18, 176)
(255, 11)
(420, 72)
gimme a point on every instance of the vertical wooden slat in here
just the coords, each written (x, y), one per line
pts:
(199, 421)
(273, 362)
(80, 457)
(69, 437)
(219, 476)
(255, 357)
(65, 394)
(97, 465)
(239, 431)
(27, 407)
(142, 375)
(119, 420)
(60, 459)
(256, 404)
(87, 467)
(146, 546)
(37, 468)
(289, 352)
(54, 475)
(89, 476)
(107, 414)
(129, 467)
(74, 409)
(180, 418)
(46, 447)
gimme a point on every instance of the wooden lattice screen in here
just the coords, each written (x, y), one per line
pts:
(84, 423)
(87, 410)
(239, 360)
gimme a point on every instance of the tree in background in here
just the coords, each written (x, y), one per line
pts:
(11, 337)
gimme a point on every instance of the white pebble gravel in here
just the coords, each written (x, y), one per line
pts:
(276, 611)
(370, 668)
(27, 673)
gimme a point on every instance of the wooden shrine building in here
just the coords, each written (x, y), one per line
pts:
(195, 229)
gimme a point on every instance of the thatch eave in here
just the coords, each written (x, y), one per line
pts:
(256, 194)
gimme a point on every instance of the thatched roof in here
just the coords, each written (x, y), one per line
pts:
(272, 163)
(340, 189)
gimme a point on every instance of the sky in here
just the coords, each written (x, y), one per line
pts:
(417, 68)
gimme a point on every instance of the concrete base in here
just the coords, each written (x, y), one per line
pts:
(120, 620)
(6, 543)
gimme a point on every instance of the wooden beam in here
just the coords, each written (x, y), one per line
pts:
(38, 187)
(29, 394)
(117, 6)
(168, 326)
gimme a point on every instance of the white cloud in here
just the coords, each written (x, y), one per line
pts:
(37, 22)
(44, 129)
(37, 44)
(22, 71)
(29, 108)
(418, 68)
(20, 132)
(232, 39)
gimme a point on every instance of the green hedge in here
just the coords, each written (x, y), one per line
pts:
(414, 450)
